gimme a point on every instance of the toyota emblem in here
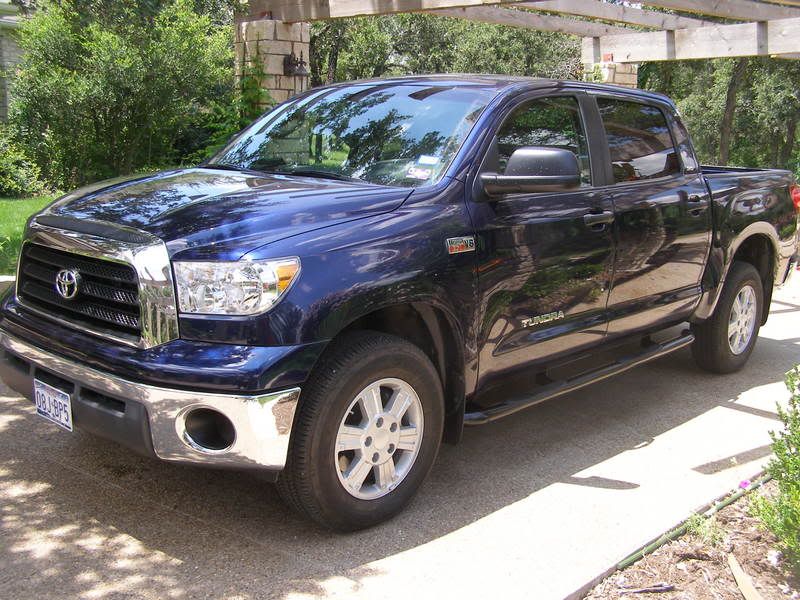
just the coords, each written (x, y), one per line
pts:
(67, 283)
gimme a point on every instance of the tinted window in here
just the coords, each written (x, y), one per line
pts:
(553, 122)
(684, 146)
(638, 139)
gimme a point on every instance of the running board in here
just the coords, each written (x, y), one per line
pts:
(558, 388)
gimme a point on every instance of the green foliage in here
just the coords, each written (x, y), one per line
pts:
(706, 529)
(19, 175)
(252, 95)
(418, 43)
(767, 110)
(782, 513)
(220, 120)
(109, 12)
(114, 86)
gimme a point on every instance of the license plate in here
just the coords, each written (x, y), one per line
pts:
(53, 404)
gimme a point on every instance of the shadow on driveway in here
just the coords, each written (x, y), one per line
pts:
(82, 517)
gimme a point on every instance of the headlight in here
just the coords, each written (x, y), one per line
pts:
(233, 288)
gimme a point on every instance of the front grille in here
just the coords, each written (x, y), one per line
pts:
(107, 297)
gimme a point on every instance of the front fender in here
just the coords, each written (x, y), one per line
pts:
(359, 267)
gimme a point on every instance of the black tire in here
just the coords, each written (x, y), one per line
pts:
(711, 349)
(310, 482)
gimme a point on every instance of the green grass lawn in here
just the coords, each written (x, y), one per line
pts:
(13, 214)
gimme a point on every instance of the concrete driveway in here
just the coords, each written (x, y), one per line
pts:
(535, 506)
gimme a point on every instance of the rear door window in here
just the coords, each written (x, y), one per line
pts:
(639, 141)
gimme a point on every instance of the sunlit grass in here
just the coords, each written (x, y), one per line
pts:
(14, 212)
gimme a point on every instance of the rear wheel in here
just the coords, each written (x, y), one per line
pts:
(724, 342)
(367, 432)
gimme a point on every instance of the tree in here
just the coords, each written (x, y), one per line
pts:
(739, 68)
(739, 111)
(115, 87)
(419, 43)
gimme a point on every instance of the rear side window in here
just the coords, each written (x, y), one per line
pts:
(684, 146)
(639, 140)
(552, 122)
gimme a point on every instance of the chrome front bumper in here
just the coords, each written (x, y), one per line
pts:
(262, 423)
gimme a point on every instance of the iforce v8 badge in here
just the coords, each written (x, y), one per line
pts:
(458, 245)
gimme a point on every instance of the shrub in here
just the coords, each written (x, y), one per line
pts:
(215, 124)
(19, 176)
(706, 529)
(782, 513)
(100, 94)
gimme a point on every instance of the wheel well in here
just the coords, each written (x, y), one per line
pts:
(757, 250)
(429, 329)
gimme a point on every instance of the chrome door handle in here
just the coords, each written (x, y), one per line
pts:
(598, 221)
(696, 204)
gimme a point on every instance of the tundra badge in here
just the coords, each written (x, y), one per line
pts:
(460, 244)
(545, 318)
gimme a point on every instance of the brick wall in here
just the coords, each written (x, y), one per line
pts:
(268, 42)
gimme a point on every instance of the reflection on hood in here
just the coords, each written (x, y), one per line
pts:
(224, 213)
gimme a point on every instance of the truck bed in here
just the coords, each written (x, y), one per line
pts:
(756, 201)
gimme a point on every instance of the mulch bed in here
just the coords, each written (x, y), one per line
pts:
(696, 567)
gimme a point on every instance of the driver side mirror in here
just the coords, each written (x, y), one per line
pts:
(532, 169)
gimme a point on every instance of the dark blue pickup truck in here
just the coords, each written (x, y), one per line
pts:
(371, 266)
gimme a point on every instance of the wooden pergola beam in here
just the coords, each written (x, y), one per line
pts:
(738, 10)
(529, 20)
(291, 11)
(597, 9)
(744, 10)
(772, 28)
(777, 37)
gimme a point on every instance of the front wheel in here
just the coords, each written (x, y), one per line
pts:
(367, 433)
(724, 342)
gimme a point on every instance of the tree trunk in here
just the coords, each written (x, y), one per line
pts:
(788, 146)
(333, 54)
(775, 148)
(314, 61)
(333, 59)
(737, 74)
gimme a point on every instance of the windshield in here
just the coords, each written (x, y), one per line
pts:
(390, 134)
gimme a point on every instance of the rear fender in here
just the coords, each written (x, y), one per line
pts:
(719, 264)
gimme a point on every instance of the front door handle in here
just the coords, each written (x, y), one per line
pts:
(598, 221)
(696, 204)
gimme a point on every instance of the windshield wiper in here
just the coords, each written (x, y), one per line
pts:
(220, 167)
(318, 173)
(307, 172)
(227, 167)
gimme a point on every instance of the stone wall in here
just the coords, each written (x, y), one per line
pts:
(624, 74)
(268, 42)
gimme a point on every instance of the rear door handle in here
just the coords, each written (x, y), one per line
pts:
(598, 221)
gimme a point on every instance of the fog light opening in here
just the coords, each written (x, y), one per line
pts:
(208, 430)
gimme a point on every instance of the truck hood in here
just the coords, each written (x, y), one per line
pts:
(209, 213)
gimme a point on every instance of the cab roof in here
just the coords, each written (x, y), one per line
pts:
(509, 83)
